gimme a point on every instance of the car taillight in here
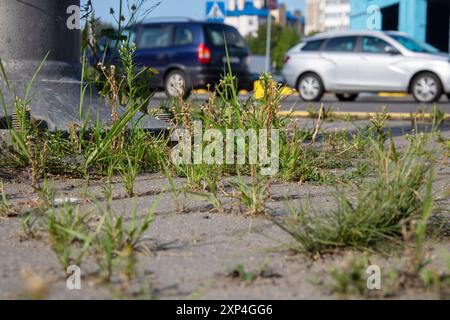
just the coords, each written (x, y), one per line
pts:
(286, 59)
(204, 54)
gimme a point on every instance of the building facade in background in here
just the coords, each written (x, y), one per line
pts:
(313, 16)
(425, 20)
(327, 15)
(336, 15)
(247, 16)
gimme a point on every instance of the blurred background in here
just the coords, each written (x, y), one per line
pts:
(425, 20)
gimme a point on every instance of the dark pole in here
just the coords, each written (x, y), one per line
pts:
(29, 29)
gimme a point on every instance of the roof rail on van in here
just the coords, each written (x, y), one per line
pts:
(168, 19)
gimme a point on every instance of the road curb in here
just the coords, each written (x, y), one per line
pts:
(363, 115)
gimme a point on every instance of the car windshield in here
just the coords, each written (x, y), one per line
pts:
(413, 45)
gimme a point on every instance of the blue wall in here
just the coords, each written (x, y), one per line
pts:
(412, 16)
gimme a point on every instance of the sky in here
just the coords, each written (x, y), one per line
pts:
(174, 8)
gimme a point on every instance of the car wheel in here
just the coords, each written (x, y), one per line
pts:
(426, 88)
(448, 96)
(346, 97)
(176, 84)
(310, 87)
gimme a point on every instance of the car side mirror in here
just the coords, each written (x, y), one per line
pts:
(391, 50)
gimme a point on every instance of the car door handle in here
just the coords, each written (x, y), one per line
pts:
(161, 56)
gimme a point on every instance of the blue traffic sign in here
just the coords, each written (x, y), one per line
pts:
(215, 11)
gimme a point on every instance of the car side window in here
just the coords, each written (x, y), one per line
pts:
(374, 45)
(341, 44)
(155, 37)
(183, 36)
(314, 45)
(218, 34)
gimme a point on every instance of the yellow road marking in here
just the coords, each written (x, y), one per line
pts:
(392, 94)
(259, 92)
(363, 115)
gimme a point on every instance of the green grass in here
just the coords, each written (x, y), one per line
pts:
(316, 162)
(224, 111)
(70, 235)
(239, 271)
(86, 150)
(24, 130)
(112, 240)
(252, 195)
(305, 156)
(126, 150)
(212, 186)
(412, 270)
(117, 243)
(6, 210)
(394, 197)
(350, 277)
(248, 276)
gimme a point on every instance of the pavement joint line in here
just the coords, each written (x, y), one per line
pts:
(363, 115)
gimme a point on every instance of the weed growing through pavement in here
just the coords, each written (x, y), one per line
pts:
(34, 213)
(395, 196)
(251, 196)
(393, 210)
(239, 272)
(224, 112)
(303, 155)
(437, 118)
(70, 235)
(126, 149)
(212, 188)
(129, 171)
(323, 114)
(350, 277)
(21, 127)
(86, 151)
(378, 124)
(248, 276)
(415, 266)
(118, 242)
(102, 235)
(6, 209)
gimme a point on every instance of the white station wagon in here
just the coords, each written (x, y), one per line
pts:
(351, 62)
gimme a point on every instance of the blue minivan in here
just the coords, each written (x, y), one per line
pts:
(190, 54)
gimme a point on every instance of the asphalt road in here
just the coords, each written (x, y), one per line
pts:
(366, 103)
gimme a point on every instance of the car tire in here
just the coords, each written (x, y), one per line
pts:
(426, 88)
(448, 96)
(176, 84)
(346, 97)
(310, 87)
